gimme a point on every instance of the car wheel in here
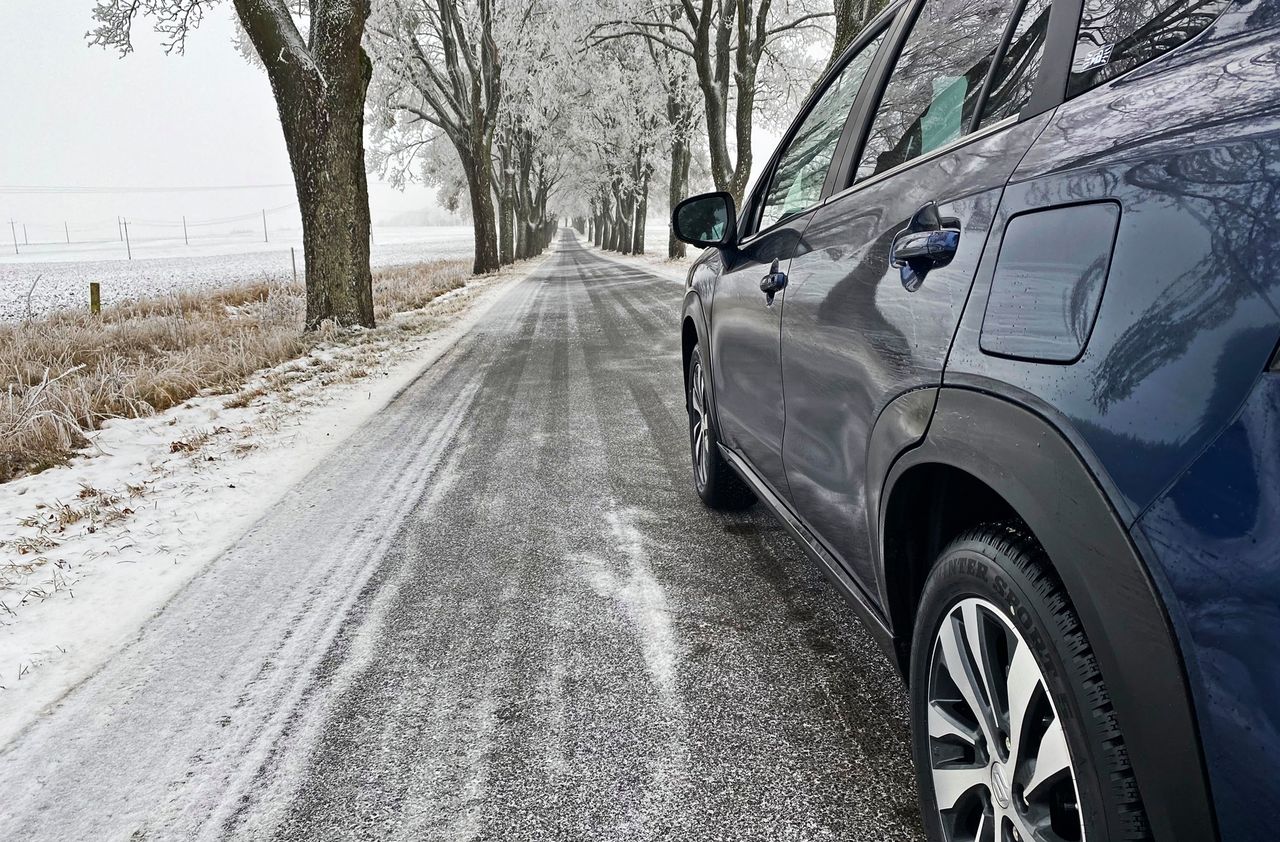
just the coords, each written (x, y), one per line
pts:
(1013, 730)
(716, 483)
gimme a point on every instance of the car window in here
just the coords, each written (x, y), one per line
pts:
(1116, 36)
(797, 182)
(933, 91)
(1016, 75)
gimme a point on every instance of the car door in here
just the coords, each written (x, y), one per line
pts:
(874, 299)
(746, 319)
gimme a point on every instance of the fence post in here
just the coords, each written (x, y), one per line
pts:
(95, 298)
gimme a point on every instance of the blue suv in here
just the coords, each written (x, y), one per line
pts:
(995, 337)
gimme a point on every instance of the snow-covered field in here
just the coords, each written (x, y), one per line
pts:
(163, 266)
(90, 550)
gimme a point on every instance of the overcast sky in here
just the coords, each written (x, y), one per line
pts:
(79, 116)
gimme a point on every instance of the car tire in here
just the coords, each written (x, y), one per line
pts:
(716, 483)
(1011, 719)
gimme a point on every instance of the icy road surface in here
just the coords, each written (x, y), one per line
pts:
(500, 613)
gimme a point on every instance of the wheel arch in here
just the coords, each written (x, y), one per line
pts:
(693, 331)
(984, 456)
(930, 504)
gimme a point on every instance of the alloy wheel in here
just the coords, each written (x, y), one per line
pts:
(699, 434)
(1001, 769)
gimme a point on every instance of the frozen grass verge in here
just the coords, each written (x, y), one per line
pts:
(64, 373)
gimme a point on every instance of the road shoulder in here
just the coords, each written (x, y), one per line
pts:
(654, 264)
(121, 530)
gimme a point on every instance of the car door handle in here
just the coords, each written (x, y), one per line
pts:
(928, 241)
(773, 283)
(936, 247)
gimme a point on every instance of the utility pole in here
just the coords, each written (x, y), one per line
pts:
(184, 231)
(14, 229)
(119, 229)
(293, 256)
(127, 247)
(66, 230)
(264, 226)
(25, 241)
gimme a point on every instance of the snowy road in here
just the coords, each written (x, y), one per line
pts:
(500, 613)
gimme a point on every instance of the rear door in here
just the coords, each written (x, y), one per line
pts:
(745, 320)
(876, 293)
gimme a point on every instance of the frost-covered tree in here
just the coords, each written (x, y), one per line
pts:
(731, 45)
(852, 16)
(439, 69)
(319, 82)
(492, 78)
(621, 138)
(542, 82)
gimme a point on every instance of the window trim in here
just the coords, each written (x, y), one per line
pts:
(1050, 88)
(864, 108)
(997, 59)
(897, 23)
(882, 24)
(962, 140)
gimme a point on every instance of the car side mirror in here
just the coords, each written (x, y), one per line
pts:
(707, 220)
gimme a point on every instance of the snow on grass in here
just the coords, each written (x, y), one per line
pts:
(57, 275)
(655, 257)
(91, 549)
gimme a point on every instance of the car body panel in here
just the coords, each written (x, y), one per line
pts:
(744, 329)
(1184, 327)
(1217, 539)
(855, 336)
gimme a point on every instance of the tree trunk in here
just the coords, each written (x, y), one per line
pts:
(642, 211)
(606, 221)
(503, 208)
(506, 209)
(479, 173)
(321, 105)
(333, 199)
(680, 158)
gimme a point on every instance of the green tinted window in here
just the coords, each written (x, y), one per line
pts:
(934, 89)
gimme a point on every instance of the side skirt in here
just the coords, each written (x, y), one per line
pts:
(828, 564)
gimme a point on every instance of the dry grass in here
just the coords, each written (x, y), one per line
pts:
(65, 373)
